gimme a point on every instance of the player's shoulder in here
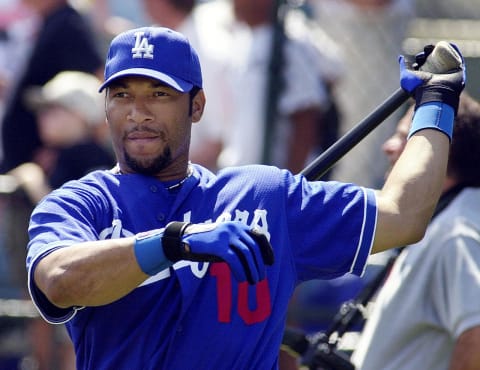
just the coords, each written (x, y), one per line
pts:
(94, 182)
(91, 191)
(98, 176)
(255, 173)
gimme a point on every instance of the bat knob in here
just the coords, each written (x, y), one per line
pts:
(443, 58)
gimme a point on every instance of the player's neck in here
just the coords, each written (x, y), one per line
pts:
(172, 175)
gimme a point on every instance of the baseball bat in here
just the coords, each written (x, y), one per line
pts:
(442, 59)
(316, 169)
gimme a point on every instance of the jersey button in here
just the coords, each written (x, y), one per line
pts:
(160, 217)
(153, 188)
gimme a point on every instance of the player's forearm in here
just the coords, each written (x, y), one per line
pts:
(465, 354)
(89, 274)
(410, 194)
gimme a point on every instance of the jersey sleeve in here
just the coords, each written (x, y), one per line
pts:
(61, 219)
(50, 312)
(332, 228)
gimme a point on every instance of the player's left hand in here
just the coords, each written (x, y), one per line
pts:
(433, 86)
(245, 250)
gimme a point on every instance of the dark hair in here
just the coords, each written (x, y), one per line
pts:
(465, 149)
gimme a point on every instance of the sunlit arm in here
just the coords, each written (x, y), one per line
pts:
(89, 274)
(407, 200)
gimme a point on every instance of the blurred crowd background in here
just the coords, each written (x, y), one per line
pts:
(339, 65)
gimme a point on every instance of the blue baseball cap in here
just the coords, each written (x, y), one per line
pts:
(155, 52)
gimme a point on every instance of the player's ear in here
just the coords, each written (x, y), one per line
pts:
(198, 105)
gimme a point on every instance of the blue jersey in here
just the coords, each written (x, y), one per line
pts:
(196, 315)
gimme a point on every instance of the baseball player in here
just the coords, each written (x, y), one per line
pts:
(161, 264)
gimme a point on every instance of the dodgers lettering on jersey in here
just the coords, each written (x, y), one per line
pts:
(182, 317)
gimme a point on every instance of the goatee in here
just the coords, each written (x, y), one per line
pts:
(149, 167)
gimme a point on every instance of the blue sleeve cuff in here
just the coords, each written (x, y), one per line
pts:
(433, 115)
(50, 312)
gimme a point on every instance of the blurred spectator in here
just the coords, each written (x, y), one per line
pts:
(329, 59)
(111, 17)
(200, 24)
(17, 28)
(429, 304)
(71, 122)
(300, 95)
(63, 42)
(370, 33)
(133, 11)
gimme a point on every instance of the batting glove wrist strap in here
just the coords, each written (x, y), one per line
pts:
(443, 92)
(173, 246)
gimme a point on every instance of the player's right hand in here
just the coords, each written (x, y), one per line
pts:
(246, 251)
(426, 85)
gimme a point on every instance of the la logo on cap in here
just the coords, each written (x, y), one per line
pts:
(142, 48)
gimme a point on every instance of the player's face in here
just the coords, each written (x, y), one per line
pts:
(150, 125)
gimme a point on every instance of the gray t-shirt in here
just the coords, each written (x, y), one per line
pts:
(431, 296)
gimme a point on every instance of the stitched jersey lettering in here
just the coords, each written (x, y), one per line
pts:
(249, 315)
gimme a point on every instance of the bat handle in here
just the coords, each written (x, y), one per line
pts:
(316, 169)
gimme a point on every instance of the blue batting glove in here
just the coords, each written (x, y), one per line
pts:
(409, 80)
(427, 86)
(246, 251)
(436, 87)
